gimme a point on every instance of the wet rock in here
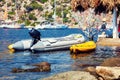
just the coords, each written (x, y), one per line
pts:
(111, 62)
(39, 67)
(108, 73)
(72, 75)
(45, 66)
(81, 65)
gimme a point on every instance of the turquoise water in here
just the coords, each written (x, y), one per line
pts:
(60, 60)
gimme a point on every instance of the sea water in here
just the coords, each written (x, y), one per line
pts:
(60, 61)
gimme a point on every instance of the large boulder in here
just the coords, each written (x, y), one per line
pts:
(108, 73)
(39, 67)
(72, 75)
(109, 69)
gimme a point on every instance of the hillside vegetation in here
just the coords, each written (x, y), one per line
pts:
(32, 12)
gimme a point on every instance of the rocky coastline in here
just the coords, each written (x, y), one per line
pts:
(108, 70)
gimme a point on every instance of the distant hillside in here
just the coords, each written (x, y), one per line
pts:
(32, 12)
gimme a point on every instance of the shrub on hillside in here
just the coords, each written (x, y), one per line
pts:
(42, 1)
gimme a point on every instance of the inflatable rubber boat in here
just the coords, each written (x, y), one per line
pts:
(83, 47)
(47, 44)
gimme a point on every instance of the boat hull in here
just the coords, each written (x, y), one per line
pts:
(49, 44)
(83, 47)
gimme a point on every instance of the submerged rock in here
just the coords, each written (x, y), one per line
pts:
(40, 67)
(112, 62)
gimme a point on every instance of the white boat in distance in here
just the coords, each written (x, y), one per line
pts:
(48, 44)
(49, 25)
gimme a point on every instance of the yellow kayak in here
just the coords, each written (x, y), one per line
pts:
(83, 47)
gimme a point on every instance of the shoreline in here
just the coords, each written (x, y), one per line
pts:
(109, 42)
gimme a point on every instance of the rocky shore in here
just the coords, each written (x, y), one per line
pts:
(108, 41)
(108, 70)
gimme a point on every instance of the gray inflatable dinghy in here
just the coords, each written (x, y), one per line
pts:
(47, 44)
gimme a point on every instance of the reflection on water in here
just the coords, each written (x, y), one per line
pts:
(80, 55)
(60, 60)
(94, 58)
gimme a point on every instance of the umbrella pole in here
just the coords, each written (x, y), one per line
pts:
(115, 31)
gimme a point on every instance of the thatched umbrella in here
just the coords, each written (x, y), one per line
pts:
(108, 4)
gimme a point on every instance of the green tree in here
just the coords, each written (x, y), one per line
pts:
(35, 5)
(32, 17)
(11, 13)
(27, 22)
